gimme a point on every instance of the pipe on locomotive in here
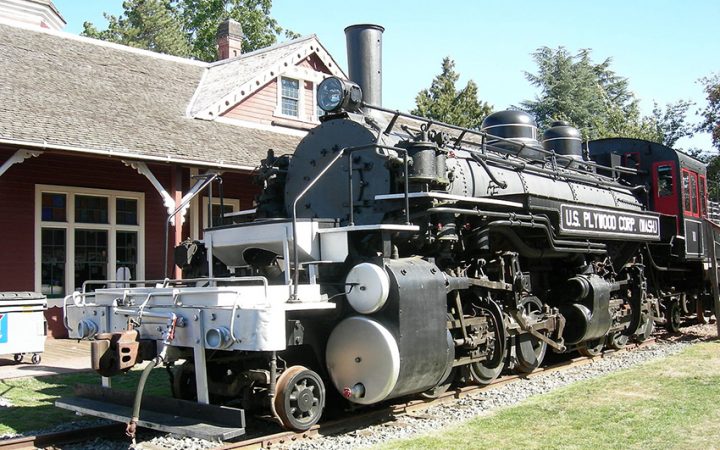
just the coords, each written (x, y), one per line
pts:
(364, 53)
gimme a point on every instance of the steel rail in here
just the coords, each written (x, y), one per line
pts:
(391, 412)
(50, 440)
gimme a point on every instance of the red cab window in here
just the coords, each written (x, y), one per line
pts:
(690, 193)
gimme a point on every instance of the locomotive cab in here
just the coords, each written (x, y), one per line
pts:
(676, 188)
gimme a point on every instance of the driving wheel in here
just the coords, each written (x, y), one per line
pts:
(483, 373)
(529, 350)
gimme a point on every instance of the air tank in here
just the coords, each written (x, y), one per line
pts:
(517, 127)
(563, 139)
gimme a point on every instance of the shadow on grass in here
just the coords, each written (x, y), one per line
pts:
(32, 400)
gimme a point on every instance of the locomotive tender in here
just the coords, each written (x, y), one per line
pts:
(391, 255)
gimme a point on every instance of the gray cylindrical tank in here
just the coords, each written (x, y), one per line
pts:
(364, 51)
(563, 139)
(516, 126)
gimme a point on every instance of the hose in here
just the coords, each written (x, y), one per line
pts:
(132, 425)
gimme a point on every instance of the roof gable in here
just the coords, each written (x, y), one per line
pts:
(227, 83)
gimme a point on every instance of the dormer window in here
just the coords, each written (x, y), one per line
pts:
(290, 97)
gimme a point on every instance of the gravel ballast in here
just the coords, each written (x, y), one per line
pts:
(437, 417)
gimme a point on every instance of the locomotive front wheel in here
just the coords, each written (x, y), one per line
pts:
(592, 348)
(442, 387)
(617, 340)
(672, 317)
(299, 398)
(17, 357)
(450, 373)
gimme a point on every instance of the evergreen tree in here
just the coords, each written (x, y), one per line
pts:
(148, 24)
(445, 103)
(575, 89)
(596, 100)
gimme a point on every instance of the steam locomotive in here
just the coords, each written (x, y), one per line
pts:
(391, 255)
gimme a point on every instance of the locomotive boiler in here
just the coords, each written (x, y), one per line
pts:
(389, 255)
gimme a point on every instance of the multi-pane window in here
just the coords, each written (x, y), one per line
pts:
(91, 209)
(91, 255)
(87, 234)
(54, 207)
(127, 251)
(693, 194)
(52, 268)
(686, 190)
(290, 97)
(126, 211)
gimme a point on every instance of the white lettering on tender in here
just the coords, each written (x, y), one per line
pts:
(572, 218)
(605, 221)
(648, 226)
(626, 224)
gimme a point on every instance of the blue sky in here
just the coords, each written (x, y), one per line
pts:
(661, 46)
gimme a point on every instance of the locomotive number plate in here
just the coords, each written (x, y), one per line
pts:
(606, 223)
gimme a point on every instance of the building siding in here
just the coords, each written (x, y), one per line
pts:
(261, 106)
(18, 221)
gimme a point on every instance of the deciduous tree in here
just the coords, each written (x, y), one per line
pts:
(187, 27)
(711, 114)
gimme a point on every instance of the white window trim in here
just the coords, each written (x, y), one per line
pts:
(71, 225)
(235, 203)
(301, 99)
(315, 117)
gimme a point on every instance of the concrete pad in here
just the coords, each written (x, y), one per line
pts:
(60, 356)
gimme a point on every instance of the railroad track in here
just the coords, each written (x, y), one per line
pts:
(52, 440)
(393, 411)
(337, 426)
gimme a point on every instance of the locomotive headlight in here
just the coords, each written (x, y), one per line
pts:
(334, 94)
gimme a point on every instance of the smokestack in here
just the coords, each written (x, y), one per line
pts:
(364, 52)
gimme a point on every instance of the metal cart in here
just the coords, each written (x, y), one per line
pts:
(22, 325)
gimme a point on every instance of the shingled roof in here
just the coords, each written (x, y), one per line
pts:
(73, 93)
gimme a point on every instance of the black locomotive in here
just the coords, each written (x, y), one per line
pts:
(396, 255)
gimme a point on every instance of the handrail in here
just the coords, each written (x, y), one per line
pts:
(343, 151)
(484, 134)
(167, 281)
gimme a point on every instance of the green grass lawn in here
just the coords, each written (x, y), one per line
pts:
(669, 403)
(33, 399)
